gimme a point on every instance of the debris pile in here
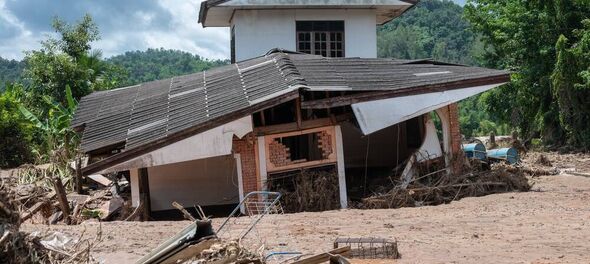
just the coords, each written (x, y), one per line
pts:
(40, 194)
(445, 188)
(226, 252)
(17, 247)
(311, 190)
(20, 247)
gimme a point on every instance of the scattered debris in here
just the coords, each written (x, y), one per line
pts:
(444, 188)
(332, 255)
(310, 190)
(226, 252)
(198, 243)
(543, 160)
(19, 247)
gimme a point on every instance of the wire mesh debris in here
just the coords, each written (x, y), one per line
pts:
(370, 248)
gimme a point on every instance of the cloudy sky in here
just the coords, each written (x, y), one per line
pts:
(124, 25)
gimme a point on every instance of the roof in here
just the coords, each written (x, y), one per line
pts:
(165, 111)
(218, 13)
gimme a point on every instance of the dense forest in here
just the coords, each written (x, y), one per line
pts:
(10, 71)
(156, 64)
(546, 44)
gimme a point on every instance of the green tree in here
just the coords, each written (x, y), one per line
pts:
(15, 132)
(10, 71)
(60, 140)
(522, 36)
(68, 60)
(432, 29)
(571, 86)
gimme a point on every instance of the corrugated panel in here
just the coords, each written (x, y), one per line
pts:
(138, 115)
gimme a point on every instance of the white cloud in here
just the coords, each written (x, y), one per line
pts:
(171, 24)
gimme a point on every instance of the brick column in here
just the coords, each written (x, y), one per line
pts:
(456, 139)
(246, 148)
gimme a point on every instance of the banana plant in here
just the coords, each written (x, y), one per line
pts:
(60, 139)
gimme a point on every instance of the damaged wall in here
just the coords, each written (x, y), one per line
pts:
(246, 147)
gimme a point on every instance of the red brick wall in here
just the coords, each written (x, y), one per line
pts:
(456, 139)
(246, 147)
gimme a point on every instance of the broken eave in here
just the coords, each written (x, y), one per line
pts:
(359, 97)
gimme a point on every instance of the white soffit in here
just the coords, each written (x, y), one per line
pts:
(211, 143)
(316, 3)
(376, 115)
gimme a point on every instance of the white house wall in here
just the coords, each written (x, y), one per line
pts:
(376, 115)
(211, 181)
(211, 143)
(258, 31)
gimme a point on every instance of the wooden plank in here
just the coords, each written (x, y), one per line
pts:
(298, 112)
(289, 127)
(359, 97)
(33, 210)
(62, 199)
(78, 181)
(102, 180)
(324, 257)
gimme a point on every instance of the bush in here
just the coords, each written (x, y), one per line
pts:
(15, 133)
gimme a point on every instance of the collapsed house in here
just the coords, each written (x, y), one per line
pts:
(211, 137)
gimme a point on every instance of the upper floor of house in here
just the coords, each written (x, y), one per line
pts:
(331, 28)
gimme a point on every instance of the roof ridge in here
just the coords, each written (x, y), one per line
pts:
(286, 67)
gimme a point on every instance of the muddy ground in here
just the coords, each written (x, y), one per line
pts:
(550, 224)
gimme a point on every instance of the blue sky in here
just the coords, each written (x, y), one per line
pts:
(124, 25)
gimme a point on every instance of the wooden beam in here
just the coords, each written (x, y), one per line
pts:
(298, 112)
(144, 194)
(306, 124)
(282, 128)
(78, 181)
(349, 99)
(60, 191)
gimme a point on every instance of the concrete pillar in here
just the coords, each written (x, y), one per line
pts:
(341, 168)
(262, 163)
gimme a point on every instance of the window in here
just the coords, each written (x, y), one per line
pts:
(324, 38)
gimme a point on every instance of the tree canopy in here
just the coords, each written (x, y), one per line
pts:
(155, 64)
(542, 42)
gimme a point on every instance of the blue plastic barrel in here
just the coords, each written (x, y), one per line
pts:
(510, 155)
(475, 151)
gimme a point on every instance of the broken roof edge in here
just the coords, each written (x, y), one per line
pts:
(129, 154)
(502, 78)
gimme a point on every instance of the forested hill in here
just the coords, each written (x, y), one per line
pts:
(156, 64)
(432, 29)
(10, 71)
(133, 66)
